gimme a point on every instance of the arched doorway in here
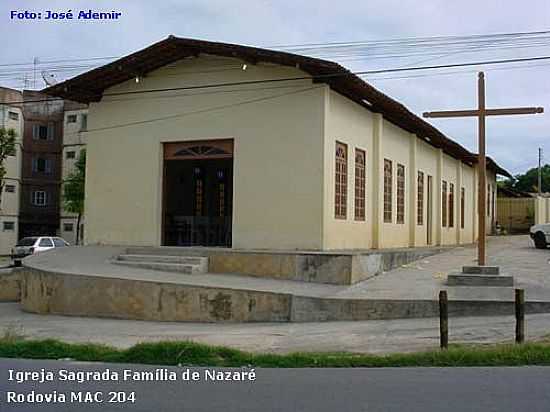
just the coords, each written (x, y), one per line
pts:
(198, 193)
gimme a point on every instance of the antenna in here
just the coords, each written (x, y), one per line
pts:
(49, 79)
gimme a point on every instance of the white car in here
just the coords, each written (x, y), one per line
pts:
(29, 245)
(540, 235)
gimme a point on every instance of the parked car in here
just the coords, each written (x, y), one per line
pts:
(29, 245)
(540, 235)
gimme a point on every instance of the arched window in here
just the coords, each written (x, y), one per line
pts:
(341, 181)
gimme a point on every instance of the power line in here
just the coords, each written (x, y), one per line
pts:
(221, 107)
(441, 41)
(321, 76)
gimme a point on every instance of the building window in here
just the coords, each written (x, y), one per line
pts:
(462, 206)
(420, 199)
(71, 155)
(451, 205)
(84, 122)
(43, 132)
(39, 198)
(71, 118)
(341, 181)
(9, 188)
(13, 116)
(68, 227)
(9, 226)
(400, 193)
(359, 184)
(444, 203)
(41, 165)
(387, 190)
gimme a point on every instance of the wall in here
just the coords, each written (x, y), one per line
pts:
(542, 210)
(426, 162)
(351, 124)
(74, 141)
(357, 127)
(9, 206)
(33, 219)
(277, 131)
(516, 215)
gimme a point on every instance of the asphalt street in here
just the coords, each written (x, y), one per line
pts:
(391, 389)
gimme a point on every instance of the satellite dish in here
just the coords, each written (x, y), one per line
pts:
(48, 78)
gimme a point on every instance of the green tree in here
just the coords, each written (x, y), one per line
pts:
(73, 191)
(528, 182)
(7, 148)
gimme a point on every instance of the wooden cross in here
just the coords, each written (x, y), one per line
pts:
(481, 112)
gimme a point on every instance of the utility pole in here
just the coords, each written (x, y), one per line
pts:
(540, 171)
(481, 113)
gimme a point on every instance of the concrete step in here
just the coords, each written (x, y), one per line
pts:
(461, 279)
(188, 260)
(191, 269)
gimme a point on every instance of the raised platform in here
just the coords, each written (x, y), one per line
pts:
(84, 282)
(342, 267)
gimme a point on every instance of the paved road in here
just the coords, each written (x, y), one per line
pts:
(372, 390)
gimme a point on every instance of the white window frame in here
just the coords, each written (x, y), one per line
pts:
(9, 223)
(39, 198)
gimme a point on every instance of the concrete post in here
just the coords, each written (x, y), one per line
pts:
(458, 202)
(413, 185)
(438, 198)
(377, 180)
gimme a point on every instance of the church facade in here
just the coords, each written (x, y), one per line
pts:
(194, 143)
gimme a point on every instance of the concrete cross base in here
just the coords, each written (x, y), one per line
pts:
(480, 270)
(463, 279)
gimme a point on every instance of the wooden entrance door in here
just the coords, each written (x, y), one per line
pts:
(198, 193)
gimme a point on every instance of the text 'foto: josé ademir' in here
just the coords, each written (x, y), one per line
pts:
(64, 15)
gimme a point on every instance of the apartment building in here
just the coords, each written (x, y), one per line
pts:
(41, 164)
(75, 123)
(11, 117)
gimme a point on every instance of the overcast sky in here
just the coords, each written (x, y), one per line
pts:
(513, 142)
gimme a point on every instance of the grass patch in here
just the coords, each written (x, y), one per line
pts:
(196, 354)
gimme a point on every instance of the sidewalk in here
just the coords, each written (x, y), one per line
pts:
(424, 278)
(404, 335)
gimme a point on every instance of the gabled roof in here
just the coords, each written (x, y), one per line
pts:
(89, 87)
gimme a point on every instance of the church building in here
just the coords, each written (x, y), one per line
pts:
(197, 143)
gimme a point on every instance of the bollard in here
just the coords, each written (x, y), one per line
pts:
(443, 319)
(520, 315)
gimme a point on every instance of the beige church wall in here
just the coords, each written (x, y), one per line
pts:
(351, 124)
(449, 174)
(278, 154)
(395, 146)
(491, 180)
(426, 162)
(470, 215)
